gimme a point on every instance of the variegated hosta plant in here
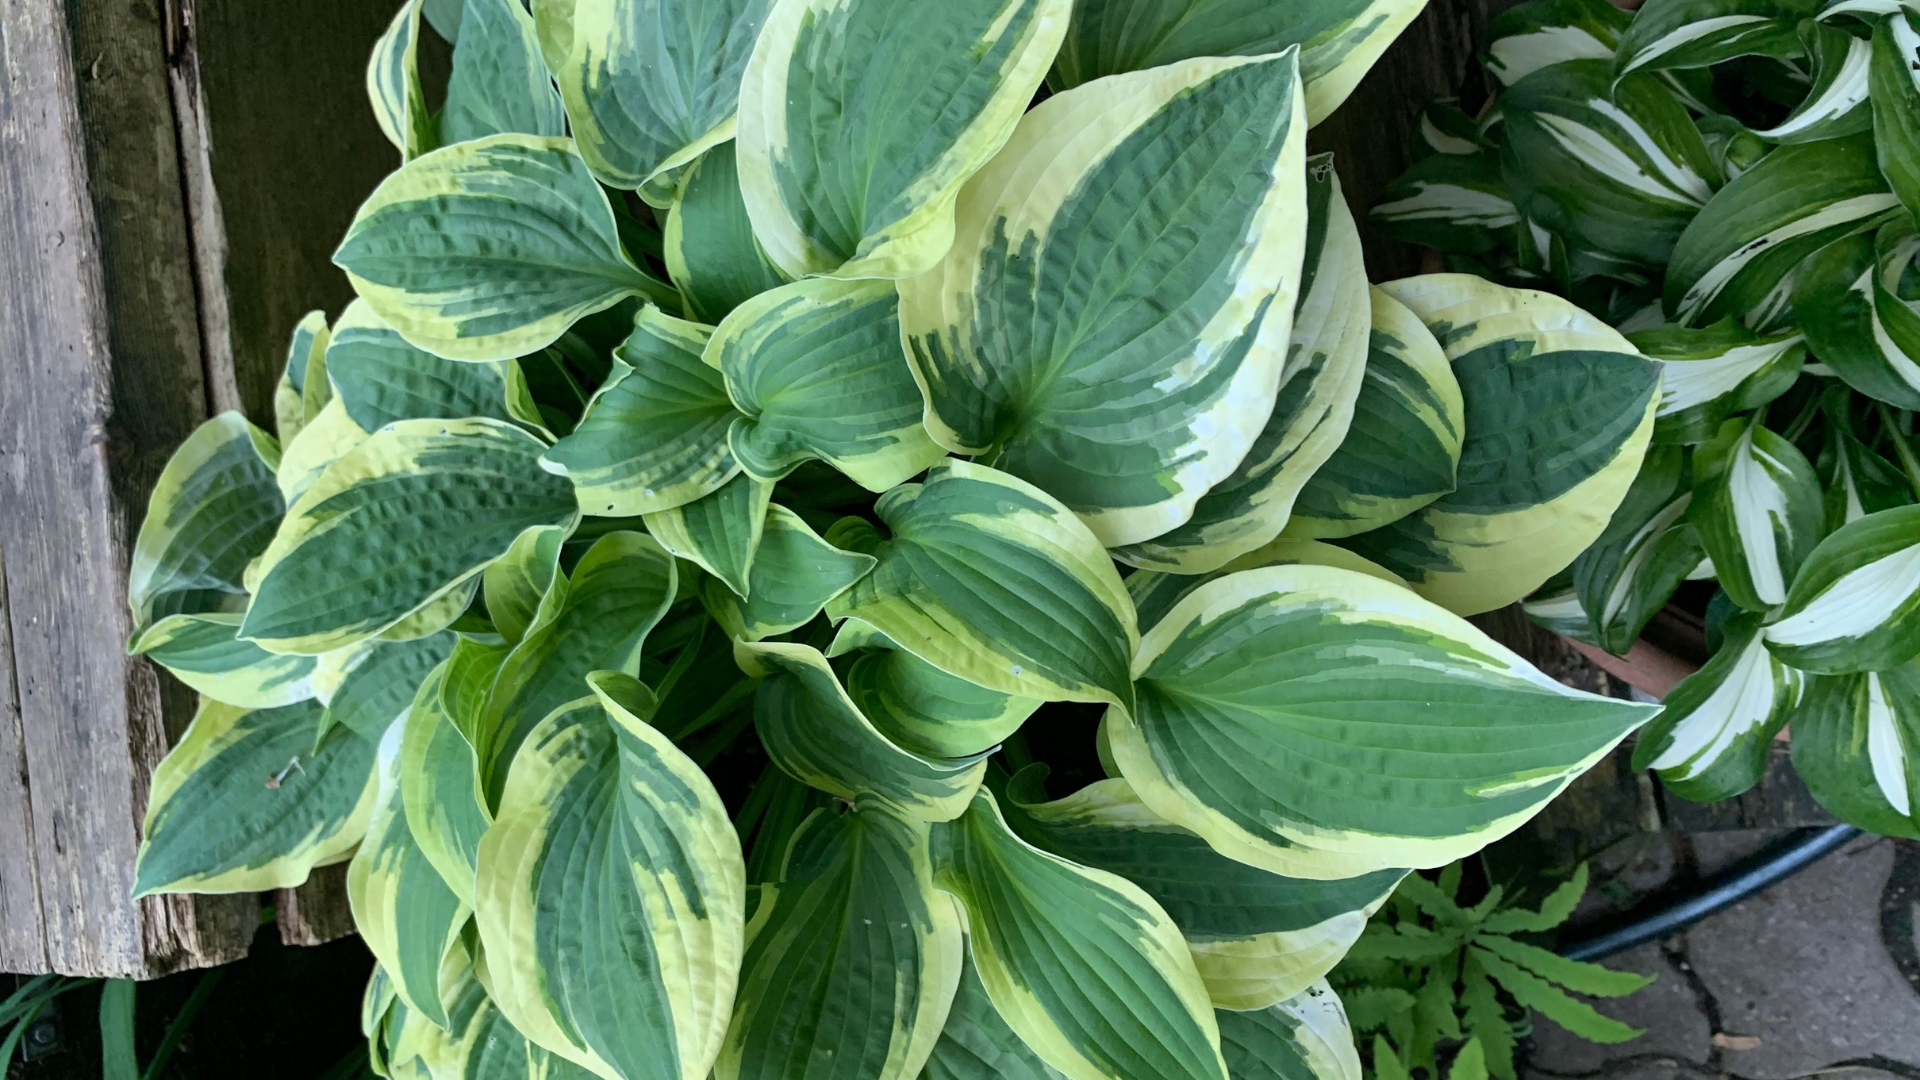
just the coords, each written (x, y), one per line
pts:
(802, 561)
(1732, 183)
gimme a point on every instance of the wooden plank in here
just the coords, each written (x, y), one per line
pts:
(99, 315)
(316, 911)
(23, 945)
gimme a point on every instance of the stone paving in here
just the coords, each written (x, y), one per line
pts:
(1816, 977)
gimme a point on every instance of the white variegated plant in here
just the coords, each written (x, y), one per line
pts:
(1732, 183)
(803, 560)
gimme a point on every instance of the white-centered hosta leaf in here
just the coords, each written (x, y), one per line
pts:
(1524, 39)
(1257, 938)
(1080, 963)
(1321, 723)
(499, 82)
(406, 517)
(439, 779)
(393, 85)
(1738, 256)
(490, 249)
(720, 532)
(860, 119)
(380, 686)
(649, 84)
(244, 802)
(1649, 547)
(305, 352)
(814, 731)
(1319, 384)
(1836, 103)
(977, 1044)
(597, 619)
(1860, 318)
(1857, 479)
(1403, 446)
(1306, 1037)
(611, 896)
(654, 435)
(213, 509)
(1668, 34)
(1559, 411)
(817, 372)
(1756, 504)
(1339, 41)
(1154, 593)
(986, 577)
(1855, 604)
(852, 958)
(1618, 167)
(405, 913)
(202, 651)
(1856, 743)
(711, 253)
(794, 575)
(918, 706)
(1894, 83)
(379, 378)
(1458, 203)
(1709, 374)
(1111, 323)
(1557, 607)
(1711, 741)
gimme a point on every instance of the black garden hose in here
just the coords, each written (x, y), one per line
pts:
(1771, 866)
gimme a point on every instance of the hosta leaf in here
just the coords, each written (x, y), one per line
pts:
(1559, 410)
(1338, 41)
(244, 802)
(794, 575)
(853, 956)
(918, 706)
(405, 913)
(1738, 256)
(1092, 278)
(386, 530)
(1524, 39)
(1847, 299)
(439, 782)
(1085, 968)
(649, 84)
(710, 250)
(1454, 202)
(1557, 607)
(860, 119)
(1257, 938)
(720, 531)
(977, 1044)
(1296, 716)
(393, 85)
(213, 509)
(499, 83)
(1855, 604)
(517, 582)
(381, 686)
(1618, 167)
(1319, 383)
(490, 249)
(1668, 34)
(654, 435)
(817, 371)
(1403, 448)
(611, 897)
(1708, 375)
(1757, 507)
(479, 1043)
(323, 441)
(1856, 742)
(1306, 1037)
(619, 591)
(1836, 104)
(1858, 481)
(988, 578)
(1895, 86)
(1647, 550)
(202, 651)
(379, 378)
(813, 731)
(305, 354)
(1154, 594)
(1711, 742)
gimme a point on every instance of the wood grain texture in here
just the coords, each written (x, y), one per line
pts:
(23, 945)
(315, 911)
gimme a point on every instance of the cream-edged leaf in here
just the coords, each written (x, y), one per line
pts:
(212, 511)
(720, 532)
(202, 651)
